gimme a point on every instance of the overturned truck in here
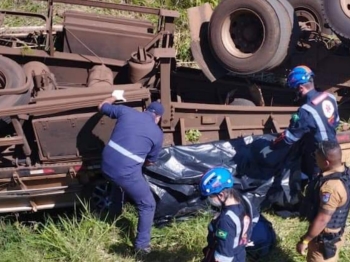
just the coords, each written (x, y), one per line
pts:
(52, 78)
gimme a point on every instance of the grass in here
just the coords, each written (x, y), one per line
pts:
(84, 237)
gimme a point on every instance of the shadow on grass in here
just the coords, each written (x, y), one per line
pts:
(276, 255)
(157, 255)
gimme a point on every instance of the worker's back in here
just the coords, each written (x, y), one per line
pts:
(135, 136)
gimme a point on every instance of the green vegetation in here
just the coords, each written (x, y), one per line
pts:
(84, 237)
(193, 135)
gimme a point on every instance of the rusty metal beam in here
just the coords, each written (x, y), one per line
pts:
(38, 54)
(121, 7)
(83, 92)
(63, 105)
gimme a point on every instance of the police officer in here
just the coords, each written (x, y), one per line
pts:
(316, 119)
(135, 140)
(328, 206)
(230, 231)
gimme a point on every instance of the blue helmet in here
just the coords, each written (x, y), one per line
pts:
(299, 75)
(215, 180)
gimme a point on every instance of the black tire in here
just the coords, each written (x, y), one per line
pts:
(311, 10)
(242, 102)
(13, 75)
(337, 15)
(286, 19)
(231, 55)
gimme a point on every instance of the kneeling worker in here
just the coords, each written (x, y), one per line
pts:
(330, 204)
(230, 231)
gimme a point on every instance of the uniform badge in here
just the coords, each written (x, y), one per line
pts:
(326, 197)
(328, 108)
(221, 234)
(295, 118)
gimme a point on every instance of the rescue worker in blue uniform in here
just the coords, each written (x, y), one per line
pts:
(315, 121)
(230, 231)
(136, 140)
(329, 206)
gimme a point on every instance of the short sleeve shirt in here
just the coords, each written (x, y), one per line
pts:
(332, 193)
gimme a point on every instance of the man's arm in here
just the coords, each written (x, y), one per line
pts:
(107, 108)
(299, 125)
(318, 225)
(153, 155)
(108, 101)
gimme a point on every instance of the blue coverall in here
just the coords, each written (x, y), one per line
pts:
(135, 138)
(226, 235)
(316, 120)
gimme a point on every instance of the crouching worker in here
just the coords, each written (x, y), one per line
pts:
(230, 231)
(329, 204)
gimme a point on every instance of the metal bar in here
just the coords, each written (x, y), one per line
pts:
(121, 7)
(49, 27)
(18, 127)
(165, 90)
(48, 107)
(229, 127)
(10, 31)
(84, 92)
(182, 131)
(19, 13)
(8, 141)
(229, 108)
(64, 56)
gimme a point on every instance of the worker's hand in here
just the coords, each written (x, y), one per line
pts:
(148, 163)
(119, 95)
(302, 247)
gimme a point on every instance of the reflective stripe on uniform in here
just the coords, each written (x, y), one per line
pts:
(237, 222)
(318, 121)
(221, 258)
(125, 152)
(254, 219)
(291, 136)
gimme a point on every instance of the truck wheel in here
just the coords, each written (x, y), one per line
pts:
(11, 76)
(244, 35)
(310, 12)
(286, 19)
(242, 102)
(337, 14)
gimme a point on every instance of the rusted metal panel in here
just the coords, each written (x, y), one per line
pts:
(146, 25)
(76, 136)
(118, 41)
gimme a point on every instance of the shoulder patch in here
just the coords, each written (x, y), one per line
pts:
(295, 117)
(328, 108)
(326, 197)
(221, 234)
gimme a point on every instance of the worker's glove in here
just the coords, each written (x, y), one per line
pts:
(119, 95)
